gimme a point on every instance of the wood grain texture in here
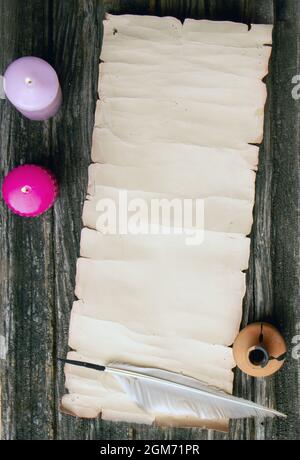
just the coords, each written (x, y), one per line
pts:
(27, 250)
(38, 257)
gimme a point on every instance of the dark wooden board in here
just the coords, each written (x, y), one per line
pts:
(38, 257)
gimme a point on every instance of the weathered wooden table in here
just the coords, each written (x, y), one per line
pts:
(38, 257)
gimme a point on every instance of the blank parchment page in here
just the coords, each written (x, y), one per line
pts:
(181, 108)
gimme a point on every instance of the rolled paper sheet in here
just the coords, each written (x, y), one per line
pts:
(180, 106)
(32, 86)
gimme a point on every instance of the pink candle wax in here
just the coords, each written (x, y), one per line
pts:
(29, 190)
(32, 86)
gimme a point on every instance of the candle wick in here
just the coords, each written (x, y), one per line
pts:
(26, 189)
(28, 81)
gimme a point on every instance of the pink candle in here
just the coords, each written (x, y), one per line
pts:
(32, 86)
(29, 190)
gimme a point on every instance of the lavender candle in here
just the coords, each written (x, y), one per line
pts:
(32, 86)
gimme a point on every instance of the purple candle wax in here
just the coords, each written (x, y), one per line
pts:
(29, 190)
(32, 86)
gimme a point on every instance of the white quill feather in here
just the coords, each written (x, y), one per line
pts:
(165, 392)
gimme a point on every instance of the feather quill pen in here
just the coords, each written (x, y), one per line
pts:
(165, 392)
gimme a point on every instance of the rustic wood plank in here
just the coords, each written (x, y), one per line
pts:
(273, 280)
(77, 33)
(38, 257)
(285, 244)
(234, 10)
(27, 249)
